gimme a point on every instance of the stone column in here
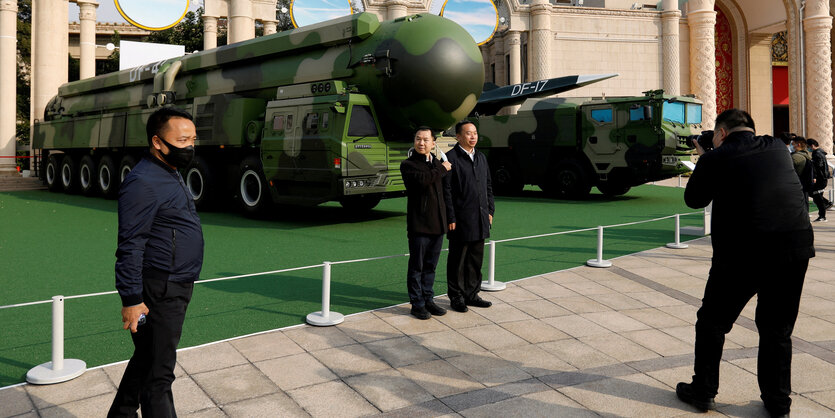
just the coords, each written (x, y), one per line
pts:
(270, 27)
(8, 70)
(396, 8)
(513, 46)
(540, 40)
(702, 21)
(497, 50)
(817, 25)
(209, 32)
(49, 52)
(670, 17)
(87, 16)
(761, 98)
(241, 24)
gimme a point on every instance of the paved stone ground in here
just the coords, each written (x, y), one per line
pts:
(579, 342)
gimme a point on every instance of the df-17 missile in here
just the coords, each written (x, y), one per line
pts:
(494, 98)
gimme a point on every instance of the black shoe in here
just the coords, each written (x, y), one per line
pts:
(685, 392)
(458, 305)
(479, 303)
(420, 312)
(435, 309)
(786, 415)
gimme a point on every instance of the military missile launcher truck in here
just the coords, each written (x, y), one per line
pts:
(320, 113)
(568, 145)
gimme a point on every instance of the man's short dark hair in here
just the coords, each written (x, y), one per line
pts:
(161, 117)
(424, 128)
(734, 118)
(787, 137)
(812, 142)
(461, 124)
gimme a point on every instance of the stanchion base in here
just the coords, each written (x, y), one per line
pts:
(678, 246)
(493, 287)
(599, 263)
(318, 320)
(44, 375)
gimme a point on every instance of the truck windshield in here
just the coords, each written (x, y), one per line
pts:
(694, 113)
(362, 122)
(673, 112)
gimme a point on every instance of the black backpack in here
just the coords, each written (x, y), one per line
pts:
(807, 176)
(821, 167)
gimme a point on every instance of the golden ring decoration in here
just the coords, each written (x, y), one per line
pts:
(145, 25)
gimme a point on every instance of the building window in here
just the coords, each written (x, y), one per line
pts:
(507, 69)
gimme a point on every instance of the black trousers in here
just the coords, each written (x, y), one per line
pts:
(463, 269)
(821, 203)
(730, 286)
(150, 372)
(424, 251)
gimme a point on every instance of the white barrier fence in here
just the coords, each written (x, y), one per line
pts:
(61, 370)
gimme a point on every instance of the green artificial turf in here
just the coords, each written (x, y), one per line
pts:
(57, 244)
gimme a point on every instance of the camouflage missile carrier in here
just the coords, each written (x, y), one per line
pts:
(568, 145)
(320, 113)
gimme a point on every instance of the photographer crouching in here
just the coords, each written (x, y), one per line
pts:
(762, 242)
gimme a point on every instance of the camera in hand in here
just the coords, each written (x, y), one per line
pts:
(705, 140)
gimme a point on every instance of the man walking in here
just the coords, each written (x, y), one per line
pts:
(426, 221)
(159, 256)
(470, 209)
(762, 241)
(822, 176)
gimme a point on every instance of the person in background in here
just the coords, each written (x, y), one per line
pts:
(426, 221)
(802, 161)
(822, 175)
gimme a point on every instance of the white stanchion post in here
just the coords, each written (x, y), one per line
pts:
(679, 181)
(491, 284)
(325, 317)
(677, 245)
(58, 370)
(599, 262)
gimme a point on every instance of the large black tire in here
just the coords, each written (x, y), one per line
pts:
(568, 180)
(200, 183)
(613, 189)
(108, 179)
(125, 166)
(69, 173)
(52, 173)
(359, 204)
(253, 194)
(506, 178)
(87, 176)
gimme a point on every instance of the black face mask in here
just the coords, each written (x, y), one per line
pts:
(178, 157)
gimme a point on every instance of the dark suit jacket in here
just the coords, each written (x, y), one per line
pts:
(469, 193)
(759, 209)
(425, 206)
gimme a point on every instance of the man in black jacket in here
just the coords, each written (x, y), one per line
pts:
(821, 179)
(159, 256)
(426, 221)
(469, 193)
(762, 241)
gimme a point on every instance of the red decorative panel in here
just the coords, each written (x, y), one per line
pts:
(724, 63)
(780, 84)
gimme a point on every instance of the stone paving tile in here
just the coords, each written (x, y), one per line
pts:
(825, 398)
(534, 331)
(816, 306)
(274, 405)
(350, 360)
(543, 404)
(743, 336)
(534, 360)
(575, 325)
(493, 394)
(188, 397)
(87, 407)
(685, 333)
(513, 293)
(295, 371)
(577, 354)
(388, 389)
(580, 304)
(811, 374)
(618, 347)
(686, 313)
(654, 299)
(588, 288)
(565, 276)
(615, 321)
(91, 383)
(500, 313)
(114, 372)
(368, 327)
(234, 384)
(595, 275)
(545, 288)
(814, 329)
(488, 369)
(659, 342)
(332, 399)
(211, 357)
(433, 408)
(458, 320)
(448, 343)
(736, 385)
(15, 401)
(654, 317)
(541, 308)
(410, 325)
(318, 338)
(440, 378)
(492, 337)
(401, 351)
(206, 413)
(636, 395)
(266, 346)
(618, 301)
